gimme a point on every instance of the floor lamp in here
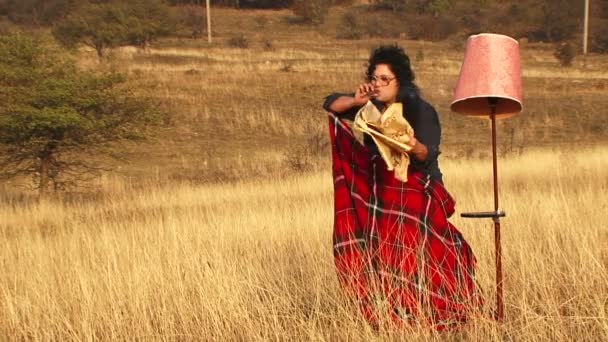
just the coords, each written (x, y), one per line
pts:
(489, 86)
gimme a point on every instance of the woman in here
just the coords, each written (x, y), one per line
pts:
(395, 251)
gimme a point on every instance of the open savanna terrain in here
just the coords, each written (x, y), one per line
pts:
(219, 226)
(252, 260)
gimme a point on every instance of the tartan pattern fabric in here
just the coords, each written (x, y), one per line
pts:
(395, 252)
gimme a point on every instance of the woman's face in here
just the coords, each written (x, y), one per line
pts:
(385, 83)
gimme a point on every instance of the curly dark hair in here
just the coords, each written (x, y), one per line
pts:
(399, 62)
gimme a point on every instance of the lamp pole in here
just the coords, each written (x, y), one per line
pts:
(495, 215)
(586, 29)
(500, 307)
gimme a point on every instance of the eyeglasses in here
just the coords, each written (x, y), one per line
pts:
(381, 80)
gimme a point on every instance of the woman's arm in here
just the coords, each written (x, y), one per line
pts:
(341, 103)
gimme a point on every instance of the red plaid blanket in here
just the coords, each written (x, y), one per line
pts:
(395, 251)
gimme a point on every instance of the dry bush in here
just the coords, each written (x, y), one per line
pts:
(565, 53)
(268, 45)
(191, 21)
(349, 27)
(261, 22)
(599, 38)
(432, 28)
(311, 11)
(310, 154)
(359, 23)
(238, 41)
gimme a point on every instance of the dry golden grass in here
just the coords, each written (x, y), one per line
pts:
(253, 260)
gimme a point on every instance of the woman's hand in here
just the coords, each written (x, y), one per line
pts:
(419, 149)
(364, 93)
(344, 103)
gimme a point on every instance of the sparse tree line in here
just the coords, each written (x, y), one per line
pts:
(535, 20)
(102, 24)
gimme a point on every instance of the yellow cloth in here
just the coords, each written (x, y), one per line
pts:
(391, 133)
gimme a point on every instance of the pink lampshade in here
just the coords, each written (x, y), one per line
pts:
(490, 71)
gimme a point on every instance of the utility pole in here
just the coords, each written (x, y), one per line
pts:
(586, 29)
(208, 22)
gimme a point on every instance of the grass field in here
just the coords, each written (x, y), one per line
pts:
(219, 227)
(253, 260)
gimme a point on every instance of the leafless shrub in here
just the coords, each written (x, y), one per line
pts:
(306, 156)
(565, 53)
(238, 41)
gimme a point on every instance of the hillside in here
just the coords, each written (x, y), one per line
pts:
(263, 101)
(249, 104)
